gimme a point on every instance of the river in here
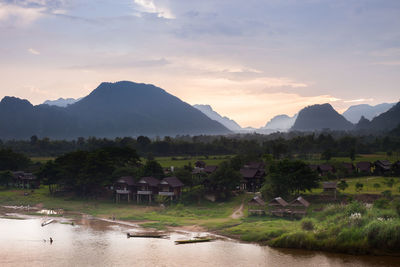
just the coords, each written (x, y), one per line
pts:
(93, 242)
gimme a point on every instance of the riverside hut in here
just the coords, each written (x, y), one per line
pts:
(298, 207)
(171, 187)
(277, 206)
(124, 188)
(256, 206)
(147, 188)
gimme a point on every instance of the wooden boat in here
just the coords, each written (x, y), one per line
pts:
(196, 240)
(47, 222)
(146, 235)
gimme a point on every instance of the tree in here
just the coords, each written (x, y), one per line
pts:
(326, 155)
(185, 176)
(153, 168)
(6, 178)
(352, 154)
(376, 186)
(225, 179)
(342, 185)
(288, 178)
(9, 160)
(389, 182)
(359, 186)
(49, 175)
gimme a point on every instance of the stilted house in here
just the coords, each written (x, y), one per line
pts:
(171, 187)
(324, 169)
(25, 180)
(125, 188)
(382, 167)
(364, 167)
(256, 206)
(253, 174)
(252, 179)
(147, 188)
(298, 207)
(277, 206)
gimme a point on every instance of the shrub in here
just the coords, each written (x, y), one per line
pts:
(387, 194)
(397, 207)
(307, 225)
(355, 207)
(383, 235)
(381, 203)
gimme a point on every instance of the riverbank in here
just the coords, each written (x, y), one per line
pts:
(353, 229)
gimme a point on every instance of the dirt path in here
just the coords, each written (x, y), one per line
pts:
(238, 213)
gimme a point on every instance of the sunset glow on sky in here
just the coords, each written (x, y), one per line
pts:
(249, 60)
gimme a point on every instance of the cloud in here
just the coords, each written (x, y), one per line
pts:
(388, 63)
(33, 51)
(148, 6)
(359, 100)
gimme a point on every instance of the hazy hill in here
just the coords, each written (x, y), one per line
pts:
(384, 122)
(280, 123)
(61, 102)
(111, 110)
(209, 112)
(318, 117)
(354, 113)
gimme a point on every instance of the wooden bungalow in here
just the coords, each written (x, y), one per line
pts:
(382, 167)
(298, 207)
(256, 206)
(277, 206)
(170, 186)
(25, 180)
(364, 167)
(252, 179)
(147, 188)
(324, 169)
(125, 187)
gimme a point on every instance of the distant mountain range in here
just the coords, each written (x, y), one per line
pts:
(280, 123)
(111, 110)
(209, 112)
(354, 113)
(319, 117)
(386, 121)
(61, 102)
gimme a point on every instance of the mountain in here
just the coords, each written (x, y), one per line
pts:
(319, 117)
(384, 122)
(209, 112)
(111, 110)
(280, 123)
(354, 113)
(61, 102)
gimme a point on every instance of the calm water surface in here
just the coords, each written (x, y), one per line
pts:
(93, 242)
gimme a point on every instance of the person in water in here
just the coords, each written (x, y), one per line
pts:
(51, 240)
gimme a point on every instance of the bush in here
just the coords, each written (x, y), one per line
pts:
(397, 207)
(307, 225)
(355, 207)
(383, 235)
(387, 194)
(381, 203)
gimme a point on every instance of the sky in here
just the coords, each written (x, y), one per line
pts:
(250, 60)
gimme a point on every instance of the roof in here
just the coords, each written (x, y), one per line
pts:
(151, 181)
(384, 164)
(24, 175)
(300, 201)
(329, 185)
(325, 167)
(126, 180)
(364, 165)
(173, 181)
(248, 173)
(255, 165)
(210, 168)
(278, 201)
(257, 200)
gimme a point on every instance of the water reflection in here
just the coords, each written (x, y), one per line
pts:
(94, 242)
